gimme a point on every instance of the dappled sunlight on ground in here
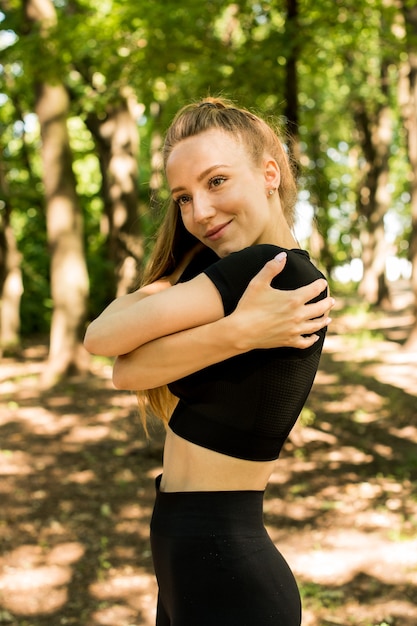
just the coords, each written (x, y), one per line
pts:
(34, 580)
(399, 372)
(409, 433)
(77, 488)
(134, 588)
(74, 519)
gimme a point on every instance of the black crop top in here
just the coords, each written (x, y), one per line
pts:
(246, 406)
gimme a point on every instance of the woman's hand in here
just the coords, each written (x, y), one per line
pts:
(268, 317)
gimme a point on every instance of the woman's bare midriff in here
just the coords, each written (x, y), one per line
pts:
(188, 467)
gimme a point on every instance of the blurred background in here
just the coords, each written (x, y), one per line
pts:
(87, 89)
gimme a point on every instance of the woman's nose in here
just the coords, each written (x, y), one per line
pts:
(202, 208)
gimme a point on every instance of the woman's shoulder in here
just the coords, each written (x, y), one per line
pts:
(232, 274)
(253, 258)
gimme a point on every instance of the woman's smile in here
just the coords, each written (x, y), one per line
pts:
(215, 233)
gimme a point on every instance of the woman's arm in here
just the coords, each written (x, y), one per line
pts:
(264, 318)
(116, 331)
(125, 326)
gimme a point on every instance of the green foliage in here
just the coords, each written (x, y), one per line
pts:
(321, 596)
(163, 54)
(36, 304)
(307, 416)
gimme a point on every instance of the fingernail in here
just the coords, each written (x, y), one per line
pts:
(280, 257)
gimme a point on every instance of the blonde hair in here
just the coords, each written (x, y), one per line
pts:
(173, 241)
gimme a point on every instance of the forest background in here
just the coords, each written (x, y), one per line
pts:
(87, 88)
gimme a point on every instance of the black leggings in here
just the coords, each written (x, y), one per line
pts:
(215, 563)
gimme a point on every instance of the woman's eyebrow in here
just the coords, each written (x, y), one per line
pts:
(201, 176)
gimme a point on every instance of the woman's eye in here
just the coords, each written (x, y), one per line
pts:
(182, 200)
(216, 181)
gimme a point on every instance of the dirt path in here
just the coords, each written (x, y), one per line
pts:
(76, 489)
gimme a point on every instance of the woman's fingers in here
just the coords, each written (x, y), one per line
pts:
(302, 295)
(271, 269)
(319, 310)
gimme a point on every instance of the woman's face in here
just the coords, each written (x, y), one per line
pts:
(223, 197)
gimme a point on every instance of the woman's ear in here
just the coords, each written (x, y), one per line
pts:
(272, 173)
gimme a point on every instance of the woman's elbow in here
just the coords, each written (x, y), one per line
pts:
(90, 340)
(94, 343)
(118, 375)
(89, 344)
(122, 375)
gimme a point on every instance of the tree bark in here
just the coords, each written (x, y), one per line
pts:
(11, 295)
(11, 284)
(291, 82)
(319, 243)
(410, 123)
(69, 278)
(117, 142)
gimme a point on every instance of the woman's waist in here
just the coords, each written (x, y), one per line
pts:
(191, 468)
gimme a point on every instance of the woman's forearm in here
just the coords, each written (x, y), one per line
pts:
(126, 324)
(103, 334)
(168, 358)
(139, 319)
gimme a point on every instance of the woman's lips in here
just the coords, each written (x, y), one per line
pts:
(215, 233)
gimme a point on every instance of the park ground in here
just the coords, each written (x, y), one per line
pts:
(76, 488)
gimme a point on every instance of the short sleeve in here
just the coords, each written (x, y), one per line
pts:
(200, 261)
(232, 274)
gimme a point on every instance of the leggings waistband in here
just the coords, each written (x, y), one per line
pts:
(185, 513)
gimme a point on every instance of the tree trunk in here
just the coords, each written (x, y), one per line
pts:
(117, 141)
(11, 294)
(156, 179)
(375, 136)
(410, 122)
(69, 278)
(11, 284)
(319, 244)
(291, 81)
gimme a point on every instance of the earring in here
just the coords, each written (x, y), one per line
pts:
(271, 192)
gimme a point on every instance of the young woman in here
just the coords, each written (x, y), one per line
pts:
(232, 318)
